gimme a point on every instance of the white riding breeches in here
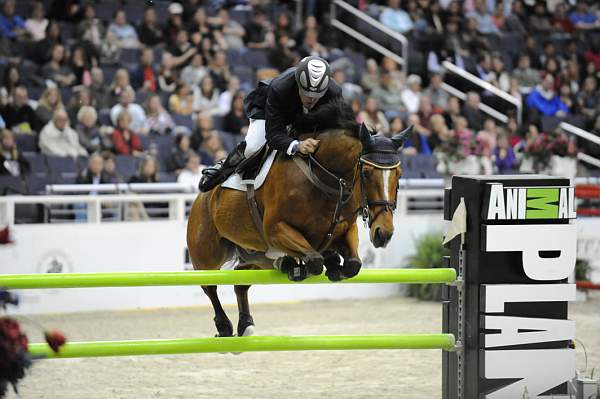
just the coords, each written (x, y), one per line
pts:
(255, 138)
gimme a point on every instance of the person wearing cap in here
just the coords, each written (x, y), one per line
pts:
(174, 23)
(274, 105)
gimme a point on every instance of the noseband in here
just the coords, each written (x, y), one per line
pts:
(366, 204)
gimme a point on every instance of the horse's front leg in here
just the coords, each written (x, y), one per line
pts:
(347, 246)
(289, 240)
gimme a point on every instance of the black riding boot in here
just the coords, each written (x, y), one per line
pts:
(217, 174)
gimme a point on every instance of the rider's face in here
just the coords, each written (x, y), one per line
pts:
(308, 102)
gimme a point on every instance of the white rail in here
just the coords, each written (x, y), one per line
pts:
(453, 91)
(572, 129)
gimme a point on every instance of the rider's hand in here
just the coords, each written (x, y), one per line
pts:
(308, 146)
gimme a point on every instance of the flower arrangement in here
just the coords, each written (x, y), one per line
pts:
(541, 148)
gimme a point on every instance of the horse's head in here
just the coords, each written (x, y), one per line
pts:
(380, 173)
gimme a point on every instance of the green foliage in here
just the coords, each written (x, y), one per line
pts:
(429, 253)
(582, 270)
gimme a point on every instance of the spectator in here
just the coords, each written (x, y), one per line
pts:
(439, 131)
(191, 174)
(311, 45)
(282, 56)
(158, 120)
(94, 172)
(110, 51)
(204, 127)
(147, 173)
(593, 54)
(471, 111)
(389, 100)
(145, 77)
(206, 98)
(226, 97)
(349, 90)
(56, 70)
(193, 73)
(396, 127)
(526, 77)
(125, 33)
(126, 141)
(199, 27)
(396, 18)
(486, 137)
(90, 136)
(110, 168)
(12, 161)
(10, 81)
(182, 50)
(11, 25)
(167, 79)
(81, 97)
(420, 139)
(236, 121)
(135, 111)
(41, 51)
(582, 18)
(149, 33)
(179, 153)
(425, 111)
(560, 20)
(258, 32)
(120, 82)
(470, 39)
(57, 138)
(462, 132)
(98, 90)
(567, 98)
(213, 147)
(589, 98)
(81, 65)
(374, 118)
(37, 24)
(90, 29)
(219, 71)
(485, 23)
(500, 77)
(539, 21)
(182, 101)
(48, 103)
(174, 24)
(544, 100)
(438, 96)
(18, 115)
(233, 32)
(505, 157)
(412, 94)
(390, 66)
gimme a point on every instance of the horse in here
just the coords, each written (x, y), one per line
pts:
(310, 206)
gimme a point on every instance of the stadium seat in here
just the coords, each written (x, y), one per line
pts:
(11, 185)
(257, 58)
(183, 120)
(26, 142)
(62, 169)
(129, 56)
(37, 164)
(104, 117)
(228, 141)
(241, 16)
(127, 165)
(167, 177)
(245, 74)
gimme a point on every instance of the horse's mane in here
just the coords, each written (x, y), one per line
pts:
(336, 114)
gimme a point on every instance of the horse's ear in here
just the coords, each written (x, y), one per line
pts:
(398, 139)
(364, 134)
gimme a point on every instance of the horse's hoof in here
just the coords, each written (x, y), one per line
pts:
(351, 267)
(224, 327)
(334, 273)
(314, 264)
(245, 325)
(297, 273)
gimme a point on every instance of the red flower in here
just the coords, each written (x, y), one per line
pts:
(55, 339)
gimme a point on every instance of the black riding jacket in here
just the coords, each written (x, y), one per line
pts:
(278, 102)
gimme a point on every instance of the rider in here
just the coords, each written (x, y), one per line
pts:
(271, 107)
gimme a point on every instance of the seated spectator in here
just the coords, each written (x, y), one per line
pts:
(258, 31)
(120, 83)
(90, 136)
(225, 98)
(98, 90)
(439, 131)
(206, 97)
(167, 78)
(544, 99)
(396, 127)
(396, 18)
(11, 25)
(485, 24)
(158, 120)
(589, 98)
(389, 100)
(193, 74)
(182, 101)
(282, 56)
(233, 32)
(174, 23)
(80, 97)
(91, 29)
(41, 51)
(57, 138)
(452, 112)
(425, 111)
(420, 140)
(349, 89)
(567, 98)
(147, 173)
(219, 71)
(144, 77)
(582, 18)
(471, 111)
(471, 41)
(80, 64)
(37, 24)
(462, 132)
(236, 121)
(526, 77)
(539, 21)
(182, 50)
(110, 168)
(439, 97)
(11, 79)
(500, 77)
(179, 153)
(311, 46)
(149, 33)
(204, 127)
(12, 162)
(94, 172)
(486, 137)
(374, 118)
(371, 79)
(199, 26)
(412, 94)
(505, 157)
(48, 103)
(135, 111)
(191, 174)
(390, 66)
(213, 147)
(18, 115)
(125, 33)
(110, 51)
(125, 140)
(56, 69)
(560, 20)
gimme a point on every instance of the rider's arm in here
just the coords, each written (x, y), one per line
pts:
(276, 125)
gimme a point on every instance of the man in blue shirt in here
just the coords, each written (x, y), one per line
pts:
(11, 25)
(582, 18)
(395, 18)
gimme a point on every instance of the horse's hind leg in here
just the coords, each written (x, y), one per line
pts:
(222, 322)
(245, 325)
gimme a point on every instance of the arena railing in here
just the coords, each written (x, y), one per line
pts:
(372, 22)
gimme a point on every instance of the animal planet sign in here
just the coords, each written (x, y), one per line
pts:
(520, 252)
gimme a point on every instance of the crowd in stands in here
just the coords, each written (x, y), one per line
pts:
(151, 91)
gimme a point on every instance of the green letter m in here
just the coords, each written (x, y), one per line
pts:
(541, 203)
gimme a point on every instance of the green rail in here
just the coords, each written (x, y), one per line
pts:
(244, 344)
(215, 277)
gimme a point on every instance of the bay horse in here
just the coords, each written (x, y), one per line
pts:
(303, 215)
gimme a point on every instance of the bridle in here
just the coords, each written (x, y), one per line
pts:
(366, 204)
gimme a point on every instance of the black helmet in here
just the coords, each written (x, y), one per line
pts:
(312, 76)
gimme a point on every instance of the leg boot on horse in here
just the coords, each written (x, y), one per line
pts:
(222, 322)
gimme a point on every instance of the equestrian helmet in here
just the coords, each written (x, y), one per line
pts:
(312, 76)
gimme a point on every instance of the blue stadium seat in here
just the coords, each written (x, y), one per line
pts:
(26, 142)
(129, 56)
(256, 58)
(218, 122)
(12, 185)
(104, 117)
(62, 169)
(183, 120)
(241, 16)
(36, 185)
(127, 165)
(245, 74)
(37, 163)
(228, 140)
(167, 177)
(234, 57)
